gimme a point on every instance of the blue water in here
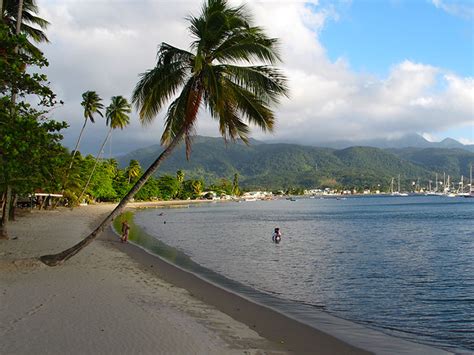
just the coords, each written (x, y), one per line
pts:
(397, 264)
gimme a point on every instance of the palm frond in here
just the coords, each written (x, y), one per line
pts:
(247, 45)
(230, 125)
(266, 82)
(252, 107)
(159, 84)
(217, 21)
(34, 33)
(91, 102)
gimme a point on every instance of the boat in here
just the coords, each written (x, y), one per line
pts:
(471, 188)
(397, 193)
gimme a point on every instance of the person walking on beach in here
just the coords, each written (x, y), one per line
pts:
(125, 232)
(276, 237)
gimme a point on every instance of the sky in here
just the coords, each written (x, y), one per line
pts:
(357, 69)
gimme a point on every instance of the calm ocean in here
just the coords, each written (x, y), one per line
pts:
(402, 265)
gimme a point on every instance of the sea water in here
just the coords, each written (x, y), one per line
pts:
(402, 265)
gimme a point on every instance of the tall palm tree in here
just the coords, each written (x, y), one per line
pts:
(31, 25)
(91, 102)
(117, 117)
(212, 76)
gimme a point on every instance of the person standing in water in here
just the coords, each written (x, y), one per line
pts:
(276, 237)
(125, 232)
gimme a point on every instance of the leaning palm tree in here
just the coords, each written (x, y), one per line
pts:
(117, 117)
(31, 25)
(212, 75)
(91, 102)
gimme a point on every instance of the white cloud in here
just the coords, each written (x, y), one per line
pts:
(104, 45)
(466, 141)
(460, 8)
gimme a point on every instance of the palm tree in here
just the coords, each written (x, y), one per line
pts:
(235, 185)
(180, 176)
(134, 170)
(208, 77)
(91, 102)
(28, 20)
(117, 117)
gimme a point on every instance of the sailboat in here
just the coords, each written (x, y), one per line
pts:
(471, 188)
(397, 193)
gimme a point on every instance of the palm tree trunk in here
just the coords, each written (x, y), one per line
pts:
(19, 17)
(13, 207)
(57, 259)
(101, 150)
(6, 213)
(77, 146)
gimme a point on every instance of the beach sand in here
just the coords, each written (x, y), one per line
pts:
(114, 298)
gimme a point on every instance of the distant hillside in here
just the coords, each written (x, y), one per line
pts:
(275, 166)
(407, 141)
(454, 162)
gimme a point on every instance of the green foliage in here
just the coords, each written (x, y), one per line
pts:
(168, 186)
(101, 186)
(281, 166)
(222, 186)
(133, 171)
(150, 191)
(235, 185)
(191, 189)
(30, 149)
(31, 25)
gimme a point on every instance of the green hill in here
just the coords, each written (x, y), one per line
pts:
(275, 166)
(454, 162)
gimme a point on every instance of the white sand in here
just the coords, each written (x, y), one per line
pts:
(101, 301)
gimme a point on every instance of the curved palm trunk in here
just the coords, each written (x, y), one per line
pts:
(77, 144)
(101, 150)
(57, 259)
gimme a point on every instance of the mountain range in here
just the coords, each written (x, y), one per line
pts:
(275, 166)
(413, 140)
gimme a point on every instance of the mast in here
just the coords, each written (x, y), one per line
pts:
(436, 189)
(398, 182)
(471, 190)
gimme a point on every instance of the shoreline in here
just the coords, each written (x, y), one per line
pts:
(324, 327)
(293, 335)
(101, 300)
(232, 323)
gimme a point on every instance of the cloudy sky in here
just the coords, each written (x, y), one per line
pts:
(358, 69)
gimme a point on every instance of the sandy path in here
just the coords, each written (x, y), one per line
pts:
(101, 301)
